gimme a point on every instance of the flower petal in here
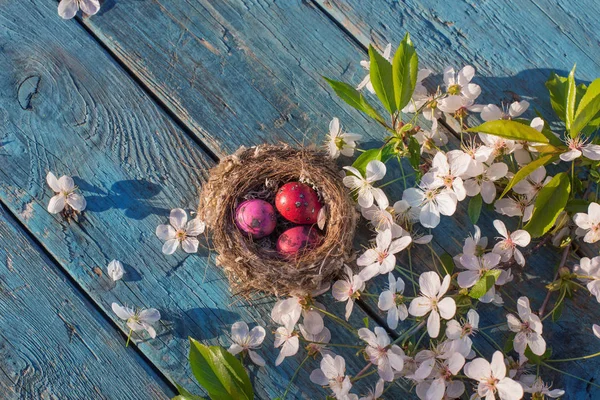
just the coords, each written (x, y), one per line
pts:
(165, 232)
(178, 218)
(170, 246)
(56, 204)
(53, 182)
(76, 201)
(190, 245)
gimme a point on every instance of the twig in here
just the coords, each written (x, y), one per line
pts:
(563, 260)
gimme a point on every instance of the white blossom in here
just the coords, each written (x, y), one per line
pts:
(392, 301)
(484, 183)
(381, 259)
(460, 335)
(528, 329)
(432, 302)
(590, 268)
(115, 270)
(65, 194)
(492, 112)
(333, 374)
(533, 183)
(492, 379)
(68, 8)
(440, 384)
(375, 394)
(538, 389)
(320, 340)
(476, 267)
(388, 359)
(180, 231)
(348, 290)
(449, 173)
(460, 83)
(519, 206)
(287, 339)
(339, 142)
(589, 224)
(246, 340)
(496, 146)
(507, 246)
(431, 140)
(138, 320)
(579, 146)
(432, 199)
(289, 311)
(363, 186)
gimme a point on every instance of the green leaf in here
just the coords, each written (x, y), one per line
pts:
(588, 108)
(570, 100)
(534, 358)
(387, 152)
(447, 263)
(405, 68)
(219, 372)
(414, 148)
(366, 322)
(558, 87)
(511, 130)
(552, 138)
(508, 345)
(474, 209)
(577, 206)
(366, 157)
(185, 395)
(529, 168)
(354, 98)
(551, 200)
(381, 79)
(484, 284)
(557, 313)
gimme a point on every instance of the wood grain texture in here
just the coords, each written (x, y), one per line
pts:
(67, 107)
(54, 344)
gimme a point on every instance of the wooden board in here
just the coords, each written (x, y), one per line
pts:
(69, 108)
(54, 343)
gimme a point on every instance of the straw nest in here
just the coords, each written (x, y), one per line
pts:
(255, 265)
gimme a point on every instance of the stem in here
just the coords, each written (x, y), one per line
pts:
(414, 284)
(294, 377)
(571, 375)
(488, 337)
(363, 375)
(575, 358)
(409, 332)
(362, 371)
(407, 276)
(337, 319)
(332, 344)
(492, 326)
(402, 170)
(392, 181)
(129, 337)
(563, 260)
(562, 296)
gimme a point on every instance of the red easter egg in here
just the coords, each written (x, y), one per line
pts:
(298, 238)
(256, 217)
(298, 203)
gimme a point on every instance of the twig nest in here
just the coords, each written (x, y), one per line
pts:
(254, 264)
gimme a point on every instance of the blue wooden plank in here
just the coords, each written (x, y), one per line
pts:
(75, 111)
(54, 343)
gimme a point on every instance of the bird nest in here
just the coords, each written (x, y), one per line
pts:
(254, 265)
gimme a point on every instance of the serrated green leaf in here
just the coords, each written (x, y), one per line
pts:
(221, 374)
(474, 209)
(185, 395)
(485, 283)
(405, 68)
(551, 200)
(447, 263)
(381, 79)
(511, 130)
(529, 168)
(355, 99)
(552, 138)
(570, 100)
(587, 109)
(387, 152)
(366, 157)
(557, 86)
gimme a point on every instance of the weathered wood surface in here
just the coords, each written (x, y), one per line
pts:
(229, 73)
(67, 107)
(54, 343)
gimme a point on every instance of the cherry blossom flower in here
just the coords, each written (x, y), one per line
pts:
(68, 8)
(339, 142)
(528, 329)
(287, 339)
(115, 270)
(333, 374)
(379, 352)
(451, 104)
(348, 290)
(533, 183)
(440, 385)
(519, 206)
(381, 219)
(538, 389)
(460, 84)
(579, 146)
(484, 183)
(138, 320)
(496, 146)
(65, 194)
(432, 302)
(492, 378)
(476, 267)
(366, 64)
(507, 247)
(246, 340)
(590, 268)
(392, 301)
(404, 213)
(290, 310)
(375, 394)
(180, 231)
(474, 245)
(449, 172)
(492, 112)
(460, 335)
(589, 224)
(431, 140)
(320, 339)
(432, 200)
(375, 171)
(381, 259)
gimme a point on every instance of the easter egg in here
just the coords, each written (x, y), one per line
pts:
(298, 203)
(298, 238)
(256, 217)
